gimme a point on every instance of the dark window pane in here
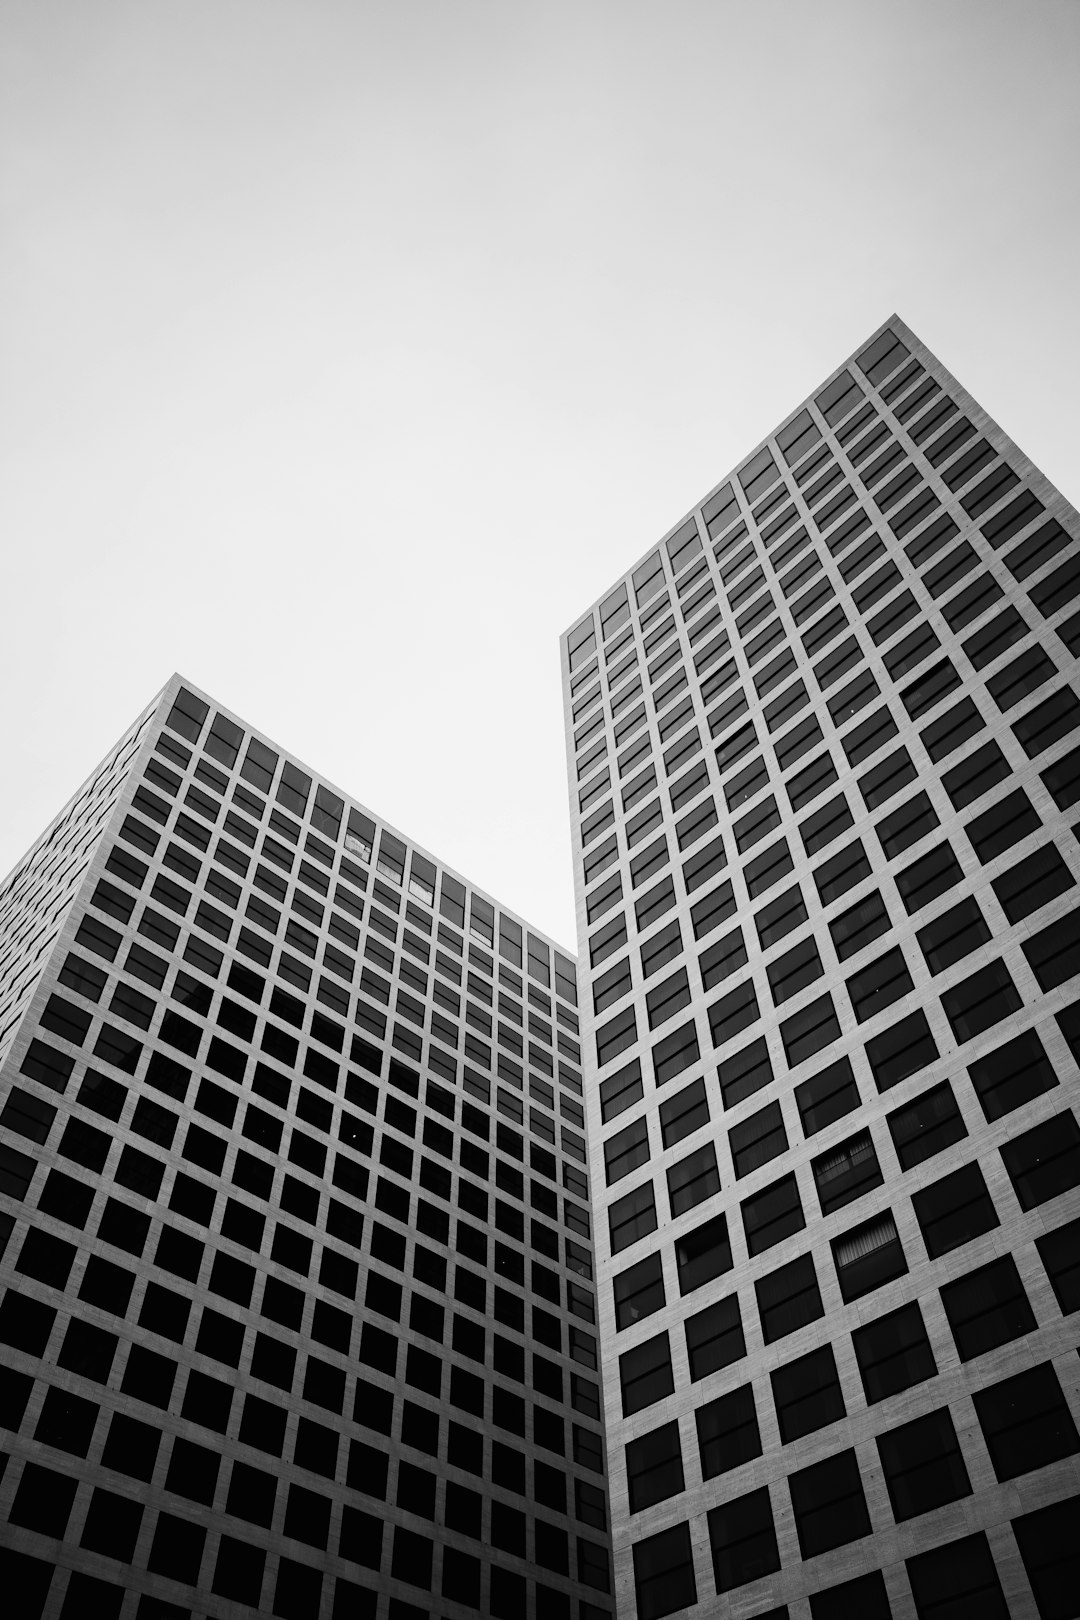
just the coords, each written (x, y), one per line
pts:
(830, 1508)
(956, 1580)
(926, 1125)
(807, 1394)
(1012, 1075)
(923, 1465)
(727, 1430)
(903, 1049)
(988, 1307)
(1045, 1161)
(664, 1573)
(1026, 1422)
(954, 1210)
(654, 1469)
(893, 1353)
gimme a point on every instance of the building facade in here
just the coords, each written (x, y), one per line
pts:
(824, 749)
(297, 1306)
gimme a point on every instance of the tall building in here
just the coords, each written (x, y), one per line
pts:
(297, 1307)
(824, 744)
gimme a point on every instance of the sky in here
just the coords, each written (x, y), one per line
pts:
(349, 350)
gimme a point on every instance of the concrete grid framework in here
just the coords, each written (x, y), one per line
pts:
(824, 751)
(297, 1308)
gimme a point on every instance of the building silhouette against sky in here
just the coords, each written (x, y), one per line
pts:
(824, 745)
(298, 1315)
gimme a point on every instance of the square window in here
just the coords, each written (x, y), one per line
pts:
(859, 926)
(412, 1558)
(864, 1596)
(714, 1338)
(1002, 826)
(893, 1353)
(957, 1578)
(879, 985)
(846, 1172)
(809, 1030)
(25, 1323)
(807, 1394)
(67, 1422)
(316, 1446)
(953, 935)
(15, 1391)
(827, 1096)
(193, 1471)
(758, 1139)
(1012, 1074)
(208, 1401)
(664, 1573)
(639, 1291)
(1059, 1252)
(87, 1595)
(461, 1577)
(45, 1257)
(252, 1493)
(112, 1526)
(645, 1374)
(163, 1311)
(727, 1431)
(263, 1424)
(743, 1541)
(1048, 1546)
(693, 1179)
(307, 1516)
(868, 1256)
(238, 1573)
(131, 1447)
(88, 1350)
(703, 1253)
(273, 1361)
(954, 1210)
(631, 1218)
(416, 1490)
(626, 1151)
(220, 1337)
(43, 1500)
(794, 970)
(683, 1114)
(772, 1215)
(923, 1465)
(1032, 883)
(1045, 1161)
(830, 1508)
(788, 1298)
(106, 1285)
(149, 1376)
(926, 1126)
(123, 1226)
(906, 825)
(654, 1470)
(1026, 1422)
(298, 1593)
(902, 1049)
(987, 1307)
(745, 1072)
(66, 1199)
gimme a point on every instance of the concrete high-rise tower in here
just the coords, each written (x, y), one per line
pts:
(299, 1315)
(296, 1308)
(824, 744)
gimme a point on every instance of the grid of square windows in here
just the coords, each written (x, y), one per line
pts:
(305, 1115)
(863, 688)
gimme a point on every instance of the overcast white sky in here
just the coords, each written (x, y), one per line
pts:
(350, 350)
